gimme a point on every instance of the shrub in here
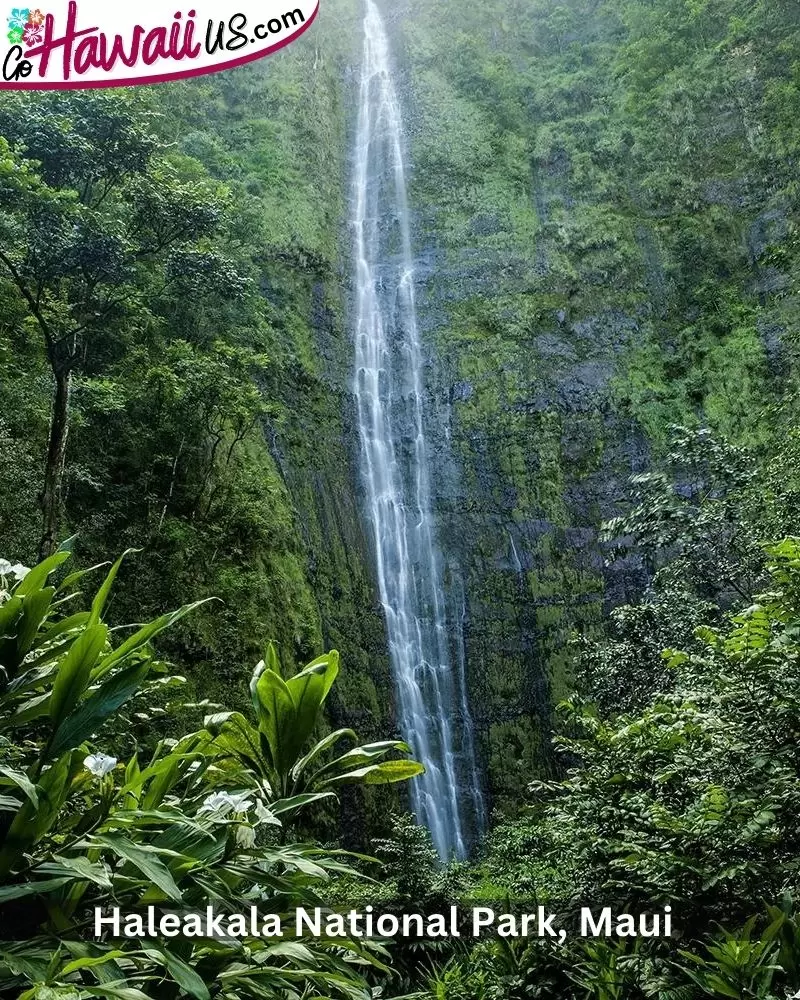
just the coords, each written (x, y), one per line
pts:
(195, 821)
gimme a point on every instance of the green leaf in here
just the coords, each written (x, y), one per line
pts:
(145, 634)
(32, 823)
(75, 670)
(89, 962)
(32, 709)
(77, 868)
(100, 704)
(30, 679)
(308, 690)
(233, 733)
(145, 860)
(321, 747)
(295, 802)
(99, 603)
(9, 892)
(34, 612)
(276, 718)
(116, 991)
(23, 782)
(359, 756)
(184, 976)
(378, 774)
(9, 613)
(39, 574)
(72, 578)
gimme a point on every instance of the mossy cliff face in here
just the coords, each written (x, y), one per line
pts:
(263, 516)
(604, 229)
(299, 168)
(605, 220)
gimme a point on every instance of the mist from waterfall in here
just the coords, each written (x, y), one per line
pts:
(429, 675)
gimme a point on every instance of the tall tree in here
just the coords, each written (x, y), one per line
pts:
(94, 224)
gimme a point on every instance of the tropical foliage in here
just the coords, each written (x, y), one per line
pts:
(174, 824)
(606, 209)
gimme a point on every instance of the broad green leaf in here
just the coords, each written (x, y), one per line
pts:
(29, 964)
(99, 603)
(359, 756)
(115, 991)
(100, 704)
(75, 670)
(30, 679)
(276, 718)
(145, 860)
(59, 628)
(32, 823)
(184, 975)
(23, 782)
(308, 690)
(321, 747)
(34, 612)
(159, 779)
(29, 710)
(72, 578)
(294, 802)
(78, 868)
(9, 892)
(36, 578)
(378, 774)
(9, 613)
(145, 634)
(233, 733)
(89, 962)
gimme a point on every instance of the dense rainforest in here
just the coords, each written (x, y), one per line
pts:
(604, 207)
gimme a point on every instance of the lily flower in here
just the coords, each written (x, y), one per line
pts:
(223, 803)
(245, 837)
(265, 815)
(100, 764)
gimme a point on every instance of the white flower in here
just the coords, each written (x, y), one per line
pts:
(222, 803)
(19, 571)
(245, 837)
(100, 764)
(5, 567)
(218, 802)
(266, 815)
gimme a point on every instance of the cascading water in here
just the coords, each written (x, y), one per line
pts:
(432, 701)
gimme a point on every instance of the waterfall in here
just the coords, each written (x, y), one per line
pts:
(432, 702)
(515, 557)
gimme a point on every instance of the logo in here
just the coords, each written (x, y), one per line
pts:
(93, 43)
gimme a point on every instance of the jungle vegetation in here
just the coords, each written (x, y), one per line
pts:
(606, 205)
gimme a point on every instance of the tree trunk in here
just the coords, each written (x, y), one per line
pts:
(54, 466)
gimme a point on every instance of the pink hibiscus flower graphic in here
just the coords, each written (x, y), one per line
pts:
(33, 34)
